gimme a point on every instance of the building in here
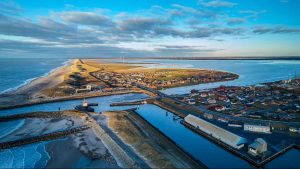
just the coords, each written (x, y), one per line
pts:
(220, 108)
(218, 133)
(258, 147)
(293, 129)
(211, 101)
(257, 128)
(191, 101)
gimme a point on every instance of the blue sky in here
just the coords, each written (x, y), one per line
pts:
(114, 28)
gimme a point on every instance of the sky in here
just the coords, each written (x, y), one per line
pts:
(149, 28)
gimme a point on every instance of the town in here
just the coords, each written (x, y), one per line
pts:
(270, 101)
(163, 78)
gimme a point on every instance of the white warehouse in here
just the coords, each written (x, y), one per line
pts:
(257, 128)
(219, 133)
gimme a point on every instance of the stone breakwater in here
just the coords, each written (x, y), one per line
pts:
(32, 115)
(45, 137)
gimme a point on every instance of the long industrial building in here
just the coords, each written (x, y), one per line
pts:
(218, 133)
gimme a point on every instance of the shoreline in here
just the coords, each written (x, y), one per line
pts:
(30, 80)
(28, 93)
(33, 92)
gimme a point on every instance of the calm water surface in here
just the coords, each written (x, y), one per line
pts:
(203, 150)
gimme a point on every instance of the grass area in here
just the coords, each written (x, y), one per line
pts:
(113, 67)
(77, 77)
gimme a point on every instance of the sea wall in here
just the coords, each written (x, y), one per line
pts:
(122, 158)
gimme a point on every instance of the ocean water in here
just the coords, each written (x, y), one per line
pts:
(16, 72)
(28, 156)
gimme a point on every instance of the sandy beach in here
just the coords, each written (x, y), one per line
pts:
(82, 149)
(30, 91)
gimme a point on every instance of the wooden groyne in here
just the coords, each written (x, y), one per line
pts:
(45, 137)
(236, 152)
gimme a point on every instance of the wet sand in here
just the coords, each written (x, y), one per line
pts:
(62, 154)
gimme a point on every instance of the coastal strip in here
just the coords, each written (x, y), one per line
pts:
(45, 137)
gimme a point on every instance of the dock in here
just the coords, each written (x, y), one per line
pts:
(238, 153)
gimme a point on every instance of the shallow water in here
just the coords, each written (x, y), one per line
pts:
(28, 156)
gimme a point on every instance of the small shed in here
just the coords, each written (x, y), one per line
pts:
(258, 147)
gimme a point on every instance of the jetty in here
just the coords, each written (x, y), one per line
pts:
(45, 137)
(129, 103)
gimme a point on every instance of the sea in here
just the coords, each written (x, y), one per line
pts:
(16, 72)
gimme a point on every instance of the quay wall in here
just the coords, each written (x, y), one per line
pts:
(236, 152)
(202, 165)
(122, 158)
